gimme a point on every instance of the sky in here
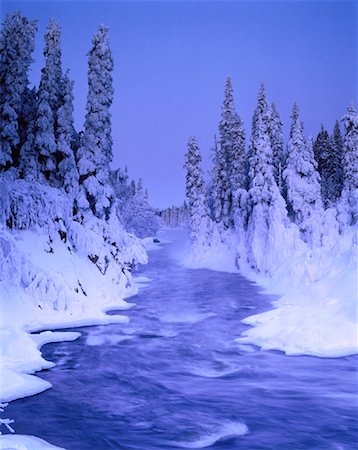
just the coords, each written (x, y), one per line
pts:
(172, 59)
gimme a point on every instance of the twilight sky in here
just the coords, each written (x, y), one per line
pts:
(172, 59)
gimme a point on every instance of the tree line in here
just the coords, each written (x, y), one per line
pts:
(39, 142)
(250, 189)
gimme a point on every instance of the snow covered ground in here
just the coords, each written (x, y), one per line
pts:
(317, 312)
(61, 276)
(51, 280)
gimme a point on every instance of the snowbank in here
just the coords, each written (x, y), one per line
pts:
(219, 254)
(54, 273)
(317, 313)
(20, 442)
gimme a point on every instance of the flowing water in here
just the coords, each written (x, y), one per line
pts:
(174, 377)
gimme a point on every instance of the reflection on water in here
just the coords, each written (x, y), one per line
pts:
(174, 378)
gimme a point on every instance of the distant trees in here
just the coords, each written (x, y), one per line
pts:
(175, 216)
(132, 205)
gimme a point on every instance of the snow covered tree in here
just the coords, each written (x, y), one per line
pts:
(337, 179)
(44, 132)
(132, 205)
(261, 171)
(333, 182)
(16, 47)
(323, 153)
(95, 154)
(53, 66)
(217, 186)
(348, 207)
(196, 194)
(302, 182)
(67, 174)
(29, 165)
(276, 141)
(229, 161)
(174, 216)
(266, 207)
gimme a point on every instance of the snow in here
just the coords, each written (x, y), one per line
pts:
(20, 442)
(219, 254)
(316, 312)
(226, 431)
(55, 273)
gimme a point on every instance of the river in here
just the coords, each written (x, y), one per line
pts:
(174, 377)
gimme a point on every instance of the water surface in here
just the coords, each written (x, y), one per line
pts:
(174, 378)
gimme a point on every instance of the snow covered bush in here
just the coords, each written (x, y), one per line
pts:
(32, 211)
(132, 205)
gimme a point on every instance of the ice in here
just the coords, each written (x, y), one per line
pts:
(187, 317)
(111, 339)
(20, 442)
(227, 431)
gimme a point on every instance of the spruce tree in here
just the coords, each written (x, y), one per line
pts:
(197, 197)
(276, 140)
(16, 47)
(348, 207)
(302, 181)
(323, 152)
(95, 154)
(54, 82)
(217, 187)
(335, 174)
(29, 165)
(260, 159)
(266, 207)
(67, 174)
(229, 161)
(44, 131)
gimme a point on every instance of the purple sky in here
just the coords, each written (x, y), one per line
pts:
(172, 59)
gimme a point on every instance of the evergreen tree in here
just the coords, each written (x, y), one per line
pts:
(67, 174)
(266, 207)
(323, 152)
(276, 141)
(262, 182)
(16, 47)
(44, 142)
(348, 207)
(95, 154)
(132, 205)
(335, 172)
(217, 187)
(225, 142)
(302, 181)
(29, 159)
(53, 65)
(197, 197)
(229, 161)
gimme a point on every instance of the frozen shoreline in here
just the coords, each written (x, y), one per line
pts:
(25, 328)
(316, 313)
